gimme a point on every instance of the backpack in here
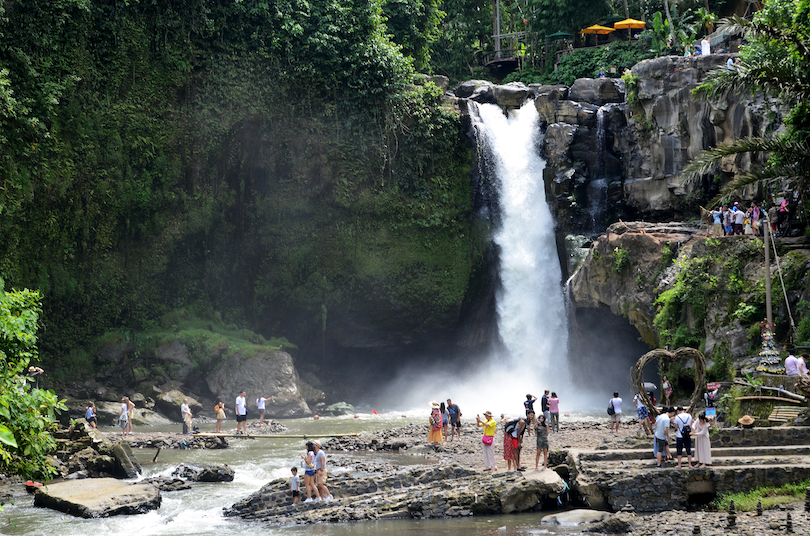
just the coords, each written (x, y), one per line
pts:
(686, 430)
(511, 426)
(611, 410)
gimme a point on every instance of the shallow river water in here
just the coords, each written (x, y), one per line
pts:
(198, 511)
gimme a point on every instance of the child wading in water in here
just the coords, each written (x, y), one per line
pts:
(541, 429)
(295, 484)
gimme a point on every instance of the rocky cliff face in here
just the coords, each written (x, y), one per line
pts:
(619, 152)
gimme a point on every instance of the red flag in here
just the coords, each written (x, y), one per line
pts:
(375, 412)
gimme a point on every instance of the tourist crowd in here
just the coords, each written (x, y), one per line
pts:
(728, 220)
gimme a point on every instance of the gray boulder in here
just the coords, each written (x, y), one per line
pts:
(169, 403)
(175, 355)
(98, 497)
(596, 91)
(339, 408)
(211, 473)
(576, 517)
(126, 464)
(262, 371)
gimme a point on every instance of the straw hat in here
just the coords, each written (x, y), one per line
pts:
(316, 443)
(488, 413)
(434, 405)
(746, 420)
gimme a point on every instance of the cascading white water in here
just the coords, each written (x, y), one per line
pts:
(531, 313)
(532, 320)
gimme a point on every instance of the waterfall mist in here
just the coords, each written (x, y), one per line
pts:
(532, 323)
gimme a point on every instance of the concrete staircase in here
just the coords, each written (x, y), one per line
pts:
(615, 478)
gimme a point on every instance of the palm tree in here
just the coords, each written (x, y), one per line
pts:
(777, 63)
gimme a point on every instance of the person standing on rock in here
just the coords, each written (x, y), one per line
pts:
(616, 417)
(320, 471)
(219, 411)
(260, 403)
(488, 440)
(661, 435)
(185, 413)
(554, 412)
(666, 387)
(544, 405)
(241, 413)
(703, 445)
(123, 419)
(683, 437)
(445, 418)
(512, 440)
(643, 414)
(435, 422)
(295, 485)
(131, 411)
(455, 419)
(541, 430)
(309, 473)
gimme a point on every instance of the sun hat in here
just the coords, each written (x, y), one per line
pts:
(488, 413)
(746, 420)
(434, 405)
(316, 443)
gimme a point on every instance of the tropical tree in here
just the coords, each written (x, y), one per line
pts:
(27, 415)
(777, 63)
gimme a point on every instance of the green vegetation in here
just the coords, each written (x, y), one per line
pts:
(28, 414)
(275, 161)
(777, 62)
(620, 258)
(681, 318)
(585, 63)
(770, 495)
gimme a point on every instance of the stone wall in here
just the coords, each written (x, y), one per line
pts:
(761, 437)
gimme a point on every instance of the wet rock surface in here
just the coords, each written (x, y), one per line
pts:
(211, 473)
(449, 491)
(98, 497)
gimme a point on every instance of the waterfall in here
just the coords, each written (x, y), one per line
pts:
(531, 312)
(532, 322)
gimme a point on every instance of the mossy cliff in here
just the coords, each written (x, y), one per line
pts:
(279, 164)
(679, 287)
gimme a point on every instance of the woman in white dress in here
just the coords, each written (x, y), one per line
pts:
(703, 445)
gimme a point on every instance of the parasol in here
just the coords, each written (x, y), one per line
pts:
(596, 29)
(629, 23)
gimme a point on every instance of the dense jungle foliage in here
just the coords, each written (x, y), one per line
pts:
(245, 157)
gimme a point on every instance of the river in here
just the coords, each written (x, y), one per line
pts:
(198, 511)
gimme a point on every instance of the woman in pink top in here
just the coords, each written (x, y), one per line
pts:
(554, 412)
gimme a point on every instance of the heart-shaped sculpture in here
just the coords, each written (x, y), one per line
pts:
(637, 373)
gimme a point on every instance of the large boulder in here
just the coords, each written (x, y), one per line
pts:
(126, 465)
(261, 372)
(211, 473)
(98, 497)
(175, 356)
(169, 403)
(576, 517)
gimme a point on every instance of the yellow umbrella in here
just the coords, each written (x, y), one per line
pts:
(629, 23)
(596, 29)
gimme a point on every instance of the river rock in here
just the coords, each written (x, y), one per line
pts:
(211, 473)
(168, 484)
(98, 497)
(261, 372)
(125, 462)
(576, 517)
(339, 408)
(449, 491)
(175, 356)
(169, 403)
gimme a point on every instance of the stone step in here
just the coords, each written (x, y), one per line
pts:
(635, 454)
(717, 461)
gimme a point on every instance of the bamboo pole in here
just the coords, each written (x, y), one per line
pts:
(274, 436)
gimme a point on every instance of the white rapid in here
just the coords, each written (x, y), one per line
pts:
(531, 311)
